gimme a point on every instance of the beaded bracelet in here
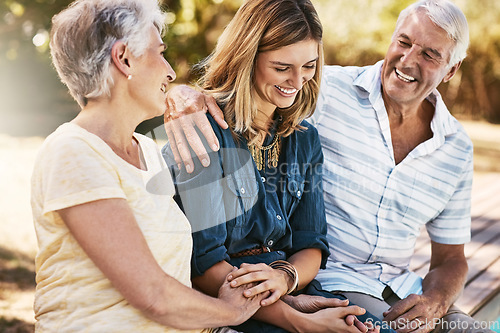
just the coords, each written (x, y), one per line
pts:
(290, 270)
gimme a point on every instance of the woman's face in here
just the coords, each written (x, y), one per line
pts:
(152, 76)
(281, 73)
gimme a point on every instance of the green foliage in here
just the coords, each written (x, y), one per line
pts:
(194, 26)
(359, 32)
(356, 33)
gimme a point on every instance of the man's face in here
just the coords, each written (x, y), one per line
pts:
(416, 61)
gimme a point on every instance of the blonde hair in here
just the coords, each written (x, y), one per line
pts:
(260, 26)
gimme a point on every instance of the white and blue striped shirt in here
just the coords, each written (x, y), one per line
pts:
(375, 208)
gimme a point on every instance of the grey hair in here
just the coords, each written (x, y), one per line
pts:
(83, 34)
(446, 15)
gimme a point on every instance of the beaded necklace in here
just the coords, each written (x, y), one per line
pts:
(271, 151)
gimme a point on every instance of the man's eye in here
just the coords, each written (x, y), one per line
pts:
(428, 56)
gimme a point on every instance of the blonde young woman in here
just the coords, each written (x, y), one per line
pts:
(259, 205)
(114, 250)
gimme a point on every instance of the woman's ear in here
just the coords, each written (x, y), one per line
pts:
(120, 55)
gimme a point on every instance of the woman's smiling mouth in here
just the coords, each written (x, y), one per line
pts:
(287, 91)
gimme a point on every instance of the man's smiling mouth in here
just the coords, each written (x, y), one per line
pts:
(404, 77)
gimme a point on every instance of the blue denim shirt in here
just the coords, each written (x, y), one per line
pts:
(232, 206)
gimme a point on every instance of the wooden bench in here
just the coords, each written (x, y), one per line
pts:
(481, 296)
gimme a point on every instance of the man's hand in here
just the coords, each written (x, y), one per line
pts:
(186, 109)
(416, 313)
(441, 287)
(311, 304)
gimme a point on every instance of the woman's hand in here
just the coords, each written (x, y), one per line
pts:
(339, 319)
(310, 304)
(265, 278)
(245, 306)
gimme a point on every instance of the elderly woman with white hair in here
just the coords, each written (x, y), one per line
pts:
(114, 248)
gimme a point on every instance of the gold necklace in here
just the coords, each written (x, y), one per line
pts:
(272, 151)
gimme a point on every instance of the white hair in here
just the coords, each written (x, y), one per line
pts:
(447, 16)
(83, 34)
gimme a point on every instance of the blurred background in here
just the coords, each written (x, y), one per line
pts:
(33, 102)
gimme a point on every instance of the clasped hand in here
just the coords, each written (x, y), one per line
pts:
(245, 306)
(276, 281)
(326, 314)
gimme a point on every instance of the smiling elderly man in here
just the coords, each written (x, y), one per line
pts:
(395, 160)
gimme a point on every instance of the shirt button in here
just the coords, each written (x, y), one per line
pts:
(299, 193)
(263, 179)
(270, 243)
(242, 190)
(278, 217)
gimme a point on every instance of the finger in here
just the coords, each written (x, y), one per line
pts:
(323, 302)
(248, 278)
(215, 111)
(262, 296)
(398, 309)
(193, 138)
(181, 145)
(369, 325)
(422, 329)
(415, 325)
(229, 275)
(408, 319)
(204, 126)
(360, 326)
(352, 310)
(264, 286)
(249, 268)
(268, 279)
(273, 298)
(349, 320)
(375, 329)
(173, 144)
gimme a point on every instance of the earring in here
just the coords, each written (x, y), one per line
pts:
(129, 77)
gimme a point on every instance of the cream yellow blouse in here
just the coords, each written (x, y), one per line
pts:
(75, 167)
